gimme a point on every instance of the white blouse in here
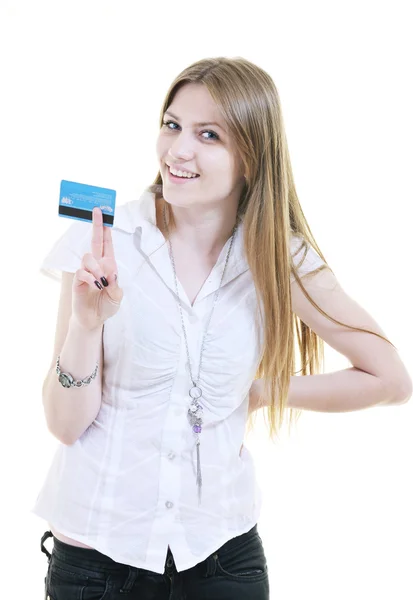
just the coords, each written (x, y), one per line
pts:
(127, 486)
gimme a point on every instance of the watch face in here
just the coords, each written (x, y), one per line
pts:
(65, 379)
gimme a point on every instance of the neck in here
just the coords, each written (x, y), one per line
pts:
(203, 230)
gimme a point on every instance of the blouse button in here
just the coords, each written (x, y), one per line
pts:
(171, 455)
(169, 504)
(193, 319)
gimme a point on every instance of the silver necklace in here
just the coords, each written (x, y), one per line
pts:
(196, 409)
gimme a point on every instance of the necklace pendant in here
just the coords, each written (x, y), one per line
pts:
(195, 411)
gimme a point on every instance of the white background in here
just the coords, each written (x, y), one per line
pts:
(82, 86)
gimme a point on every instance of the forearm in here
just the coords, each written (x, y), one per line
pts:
(341, 391)
(69, 411)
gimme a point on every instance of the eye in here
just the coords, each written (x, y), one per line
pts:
(216, 137)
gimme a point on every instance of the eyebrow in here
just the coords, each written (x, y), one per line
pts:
(196, 124)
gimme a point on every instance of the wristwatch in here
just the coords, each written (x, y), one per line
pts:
(67, 380)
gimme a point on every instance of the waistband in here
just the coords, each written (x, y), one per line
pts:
(88, 558)
(93, 559)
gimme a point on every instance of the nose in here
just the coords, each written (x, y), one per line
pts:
(182, 147)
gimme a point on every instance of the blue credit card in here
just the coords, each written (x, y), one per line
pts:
(77, 201)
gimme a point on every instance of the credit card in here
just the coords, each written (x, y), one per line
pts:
(77, 201)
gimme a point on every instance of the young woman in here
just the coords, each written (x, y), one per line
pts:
(180, 322)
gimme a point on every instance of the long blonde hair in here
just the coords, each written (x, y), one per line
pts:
(271, 212)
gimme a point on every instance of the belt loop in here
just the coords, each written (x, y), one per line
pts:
(211, 565)
(46, 535)
(130, 580)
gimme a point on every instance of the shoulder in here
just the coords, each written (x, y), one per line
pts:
(303, 256)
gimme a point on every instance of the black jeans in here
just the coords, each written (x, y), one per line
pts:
(236, 571)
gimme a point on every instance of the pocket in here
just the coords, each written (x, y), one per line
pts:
(244, 561)
(66, 581)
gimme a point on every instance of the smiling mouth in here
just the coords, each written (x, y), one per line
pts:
(177, 176)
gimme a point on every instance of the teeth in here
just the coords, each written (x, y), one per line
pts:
(182, 173)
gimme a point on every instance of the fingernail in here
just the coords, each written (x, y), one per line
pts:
(98, 285)
(104, 281)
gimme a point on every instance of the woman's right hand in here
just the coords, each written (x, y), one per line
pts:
(91, 306)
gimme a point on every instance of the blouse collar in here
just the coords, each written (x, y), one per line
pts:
(139, 217)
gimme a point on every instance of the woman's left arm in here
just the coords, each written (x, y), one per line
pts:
(377, 377)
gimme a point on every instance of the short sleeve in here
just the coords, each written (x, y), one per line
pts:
(67, 252)
(306, 264)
